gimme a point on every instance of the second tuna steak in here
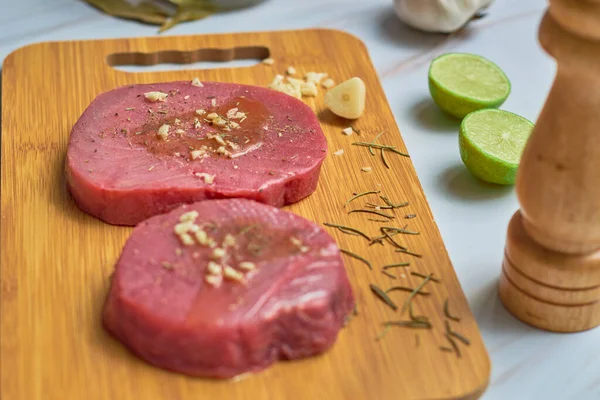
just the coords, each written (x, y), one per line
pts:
(224, 287)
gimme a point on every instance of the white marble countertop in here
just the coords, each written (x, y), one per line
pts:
(472, 216)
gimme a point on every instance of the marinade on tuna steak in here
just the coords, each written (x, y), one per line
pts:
(142, 150)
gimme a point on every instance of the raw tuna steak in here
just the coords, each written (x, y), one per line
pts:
(142, 150)
(223, 287)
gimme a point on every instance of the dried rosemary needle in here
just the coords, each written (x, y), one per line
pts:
(353, 255)
(381, 294)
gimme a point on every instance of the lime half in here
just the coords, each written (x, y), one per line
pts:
(461, 83)
(491, 143)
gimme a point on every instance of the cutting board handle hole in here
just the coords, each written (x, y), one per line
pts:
(173, 60)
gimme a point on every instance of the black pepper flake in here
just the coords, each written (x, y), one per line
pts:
(211, 97)
(116, 114)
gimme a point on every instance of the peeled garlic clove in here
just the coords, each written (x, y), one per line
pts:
(347, 100)
(438, 15)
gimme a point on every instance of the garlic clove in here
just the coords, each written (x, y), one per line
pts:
(347, 100)
(438, 15)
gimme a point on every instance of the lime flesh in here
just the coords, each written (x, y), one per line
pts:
(461, 83)
(491, 143)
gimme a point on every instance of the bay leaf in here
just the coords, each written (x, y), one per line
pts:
(145, 11)
(189, 10)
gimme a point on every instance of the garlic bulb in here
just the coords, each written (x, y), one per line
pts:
(438, 15)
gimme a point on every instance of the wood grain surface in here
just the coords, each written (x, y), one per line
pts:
(56, 261)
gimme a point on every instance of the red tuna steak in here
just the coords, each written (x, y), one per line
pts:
(223, 287)
(142, 150)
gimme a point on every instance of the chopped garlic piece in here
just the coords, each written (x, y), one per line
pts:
(194, 228)
(163, 131)
(348, 131)
(289, 89)
(155, 96)
(234, 125)
(339, 152)
(309, 89)
(247, 266)
(291, 70)
(212, 116)
(229, 240)
(222, 150)
(277, 80)
(186, 239)
(315, 77)
(218, 253)
(366, 169)
(213, 102)
(208, 179)
(220, 122)
(239, 115)
(280, 134)
(202, 237)
(196, 154)
(328, 83)
(186, 97)
(297, 83)
(214, 268)
(304, 249)
(213, 280)
(183, 227)
(196, 82)
(177, 121)
(197, 124)
(200, 112)
(189, 216)
(180, 132)
(268, 61)
(295, 241)
(232, 274)
(219, 140)
(232, 112)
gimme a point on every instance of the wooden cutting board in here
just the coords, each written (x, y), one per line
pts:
(56, 260)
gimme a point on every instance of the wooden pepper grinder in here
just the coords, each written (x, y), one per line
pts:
(551, 271)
